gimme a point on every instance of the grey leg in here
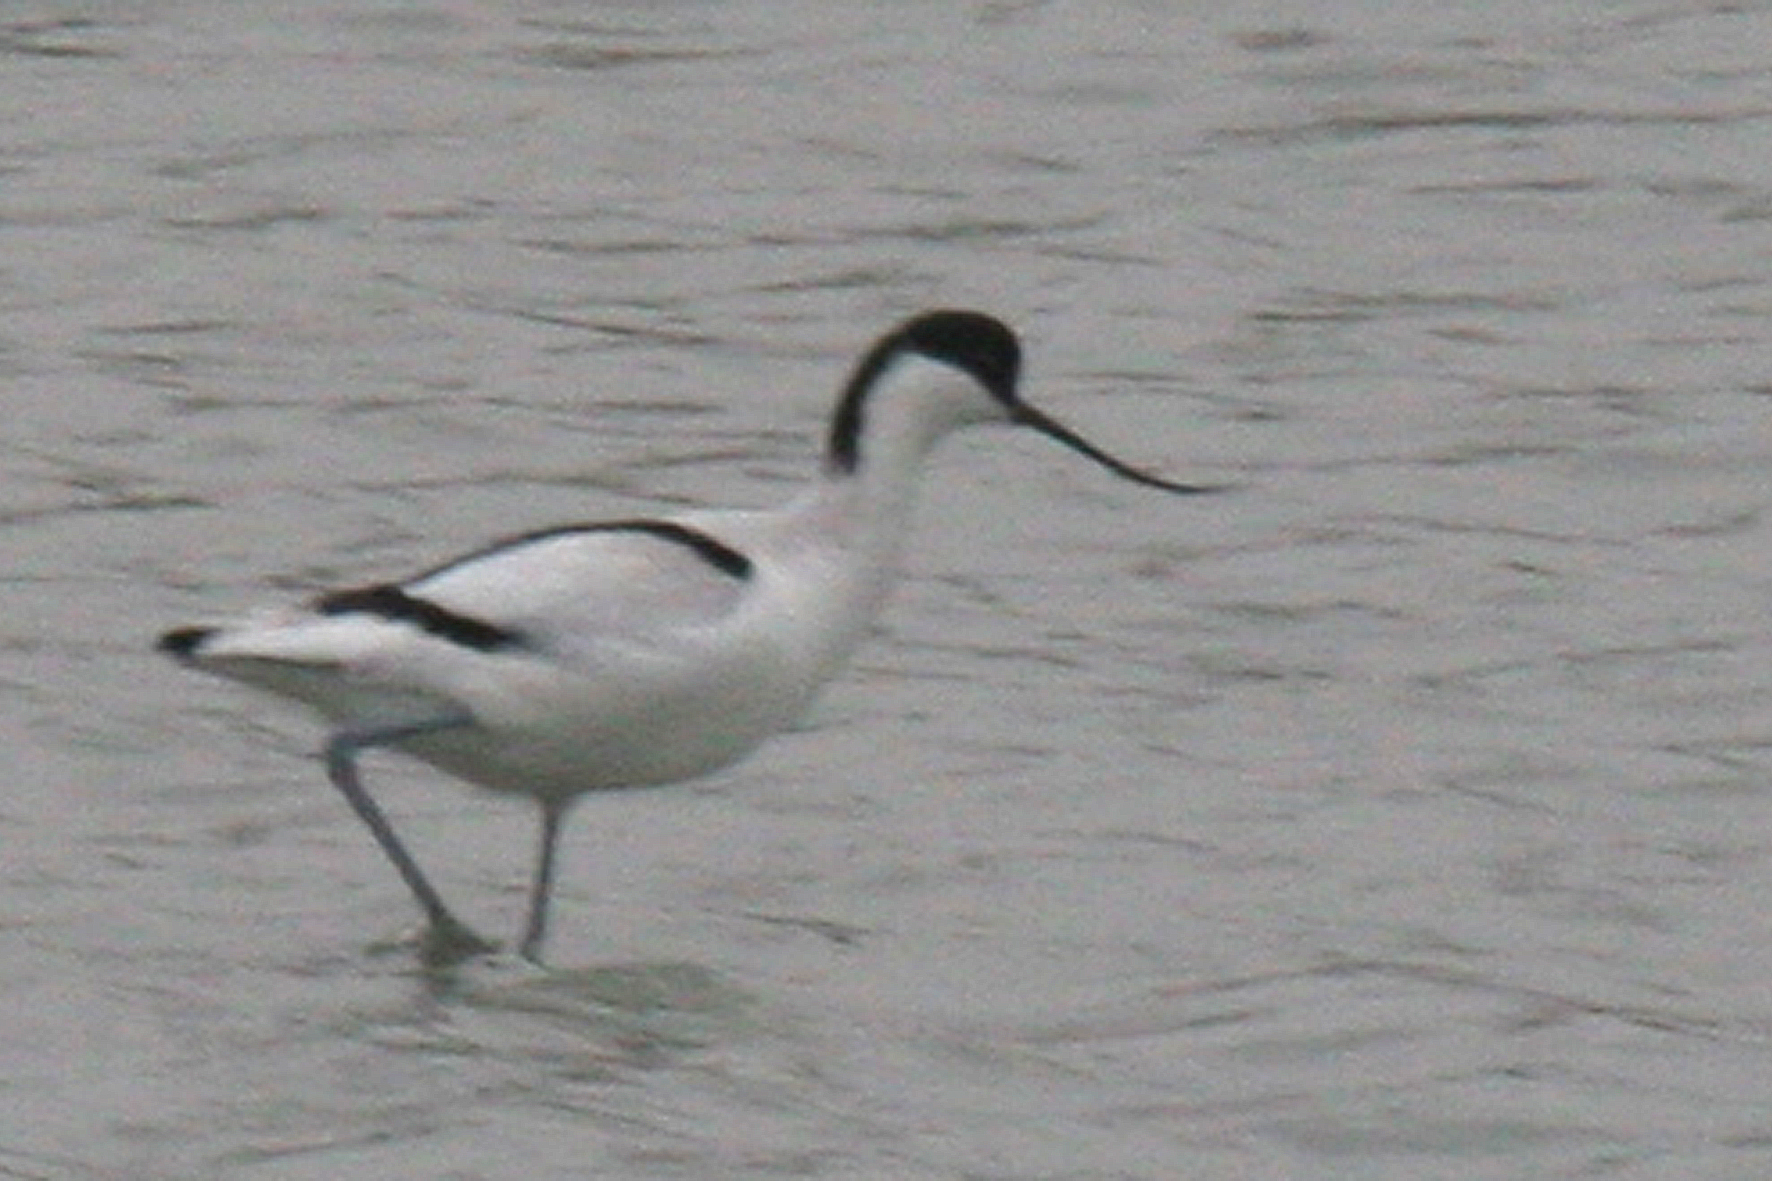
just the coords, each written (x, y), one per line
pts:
(552, 813)
(448, 937)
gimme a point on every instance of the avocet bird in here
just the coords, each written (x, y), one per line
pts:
(636, 652)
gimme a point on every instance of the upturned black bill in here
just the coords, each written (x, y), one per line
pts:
(1028, 416)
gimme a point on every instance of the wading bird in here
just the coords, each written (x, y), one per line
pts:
(631, 653)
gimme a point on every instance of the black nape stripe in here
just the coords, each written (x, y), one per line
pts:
(843, 447)
(387, 601)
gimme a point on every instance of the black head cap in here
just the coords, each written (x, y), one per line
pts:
(972, 342)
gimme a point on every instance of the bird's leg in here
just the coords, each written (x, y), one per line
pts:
(448, 939)
(552, 813)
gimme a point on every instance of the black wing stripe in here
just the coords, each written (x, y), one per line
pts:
(398, 605)
(387, 601)
(716, 553)
(711, 549)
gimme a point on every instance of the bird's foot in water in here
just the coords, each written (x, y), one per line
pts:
(448, 941)
(440, 943)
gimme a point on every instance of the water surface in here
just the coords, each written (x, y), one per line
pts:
(1401, 814)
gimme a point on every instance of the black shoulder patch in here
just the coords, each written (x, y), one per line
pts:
(387, 601)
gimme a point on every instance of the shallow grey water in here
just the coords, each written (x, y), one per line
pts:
(1402, 814)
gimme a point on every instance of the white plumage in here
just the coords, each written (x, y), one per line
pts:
(632, 653)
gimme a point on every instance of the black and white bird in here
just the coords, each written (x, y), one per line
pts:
(631, 653)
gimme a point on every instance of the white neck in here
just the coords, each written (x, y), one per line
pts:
(852, 524)
(908, 408)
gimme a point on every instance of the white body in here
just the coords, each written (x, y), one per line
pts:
(633, 653)
(643, 663)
